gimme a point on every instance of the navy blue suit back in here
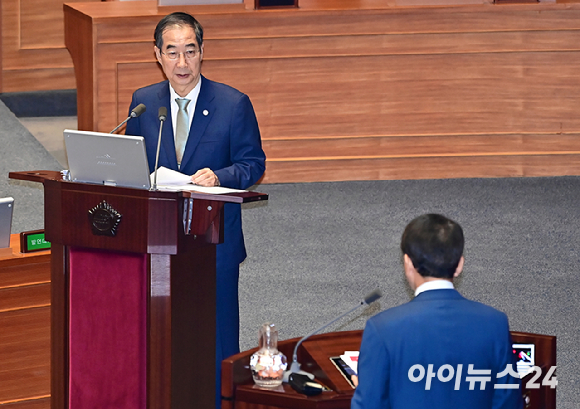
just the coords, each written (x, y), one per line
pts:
(444, 333)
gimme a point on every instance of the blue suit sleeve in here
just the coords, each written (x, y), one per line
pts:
(246, 154)
(372, 391)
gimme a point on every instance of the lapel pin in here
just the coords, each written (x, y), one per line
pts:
(205, 112)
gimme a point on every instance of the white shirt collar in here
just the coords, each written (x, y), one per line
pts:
(434, 285)
(193, 95)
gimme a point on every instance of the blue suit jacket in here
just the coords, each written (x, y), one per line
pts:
(224, 136)
(438, 327)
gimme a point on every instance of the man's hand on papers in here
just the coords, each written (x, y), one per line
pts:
(205, 177)
(172, 180)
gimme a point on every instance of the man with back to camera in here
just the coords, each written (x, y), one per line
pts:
(213, 136)
(418, 355)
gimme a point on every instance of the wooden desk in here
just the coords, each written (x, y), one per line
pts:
(239, 391)
(25, 329)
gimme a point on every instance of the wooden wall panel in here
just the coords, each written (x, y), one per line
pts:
(24, 297)
(25, 356)
(25, 330)
(33, 53)
(406, 92)
(429, 167)
(381, 94)
(37, 79)
(393, 95)
(41, 24)
(40, 403)
(423, 146)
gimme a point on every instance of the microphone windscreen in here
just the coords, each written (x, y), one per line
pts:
(162, 113)
(138, 110)
(372, 296)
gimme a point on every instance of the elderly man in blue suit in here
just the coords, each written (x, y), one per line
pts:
(440, 350)
(213, 136)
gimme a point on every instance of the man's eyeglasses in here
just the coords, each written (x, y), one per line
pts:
(188, 54)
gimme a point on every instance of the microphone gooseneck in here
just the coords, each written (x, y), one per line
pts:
(135, 112)
(295, 366)
(162, 114)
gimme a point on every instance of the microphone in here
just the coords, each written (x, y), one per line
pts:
(135, 112)
(295, 366)
(162, 117)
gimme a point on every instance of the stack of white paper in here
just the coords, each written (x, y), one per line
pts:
(168, 179)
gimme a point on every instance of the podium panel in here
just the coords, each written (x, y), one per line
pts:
(107, 329)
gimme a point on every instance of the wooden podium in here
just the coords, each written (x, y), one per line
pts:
(239, 391)
(133, 294)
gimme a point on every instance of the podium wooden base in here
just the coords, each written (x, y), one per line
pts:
(133, 282)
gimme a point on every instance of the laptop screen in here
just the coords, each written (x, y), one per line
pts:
(102, 158)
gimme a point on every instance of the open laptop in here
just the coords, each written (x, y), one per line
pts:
(6, 209)
(107, 159)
